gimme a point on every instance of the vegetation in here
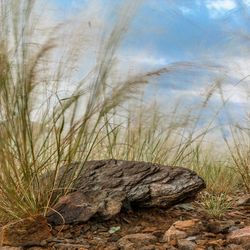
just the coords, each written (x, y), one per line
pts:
(216, 205)
(41, 131)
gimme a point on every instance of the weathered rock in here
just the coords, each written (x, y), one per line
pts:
(168, 247)
(191, 227)
(183, 229)
(112, 247)
(193, 238)
(216, 243)
(149, 247)
(172, 234)
(39, 248)
(104, 187)
(210, 248)
(185, 206)
(240, 236)
(216, 226)
(201, 243)
(186, 245)
(68, 246)
(244, 201)
(150, 230)
(234, 247)
(26, 232)
(246, 245)
(11, 248)
(62, 228)
(136, 241)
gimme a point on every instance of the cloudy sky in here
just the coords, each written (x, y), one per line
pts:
(212, 35)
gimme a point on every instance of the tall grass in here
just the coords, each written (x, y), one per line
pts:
(40, 131)
(34, 147)
(239, 147)
(145, 133)
(237, 140)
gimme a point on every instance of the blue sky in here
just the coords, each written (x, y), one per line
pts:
(212, 34)
(174, 28)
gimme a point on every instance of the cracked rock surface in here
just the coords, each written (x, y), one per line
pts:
(107, 186)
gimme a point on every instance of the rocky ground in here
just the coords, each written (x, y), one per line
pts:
(186, 227)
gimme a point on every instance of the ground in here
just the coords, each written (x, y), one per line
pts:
(186, 226)
(146, 229)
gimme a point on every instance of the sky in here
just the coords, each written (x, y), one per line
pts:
(211, 35)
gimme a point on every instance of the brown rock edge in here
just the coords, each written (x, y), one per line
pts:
(106, 186)
(26, 232)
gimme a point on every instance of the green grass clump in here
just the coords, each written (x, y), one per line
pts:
(216, 205)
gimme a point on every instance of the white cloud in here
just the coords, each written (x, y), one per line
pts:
(246, 2)
(219, 7)
(185, 10)
(132, 62)
(149, 60)
(238, 69)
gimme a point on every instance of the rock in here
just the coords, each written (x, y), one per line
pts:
(39, 248)
(191, 227)
(136, 229)
(30, 231)
(216, 243)
(158, 234)
(244, 201)
(216, 226)
(234, 247)
(11, 248)
(210, 248)
(62, 228)
(150, 247)
(136, 241)
(201, 243)
(173, 234)
(149, 229)
(67, 246)
(114, 238)
(192, 238)
(186, 245)
(240, 236)
(183, 229)
(111, 248)
(209, 235)
(154, 231)
(168, 247)
(246, 245)
(104, 187)
(185, 206)
(233, 228)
